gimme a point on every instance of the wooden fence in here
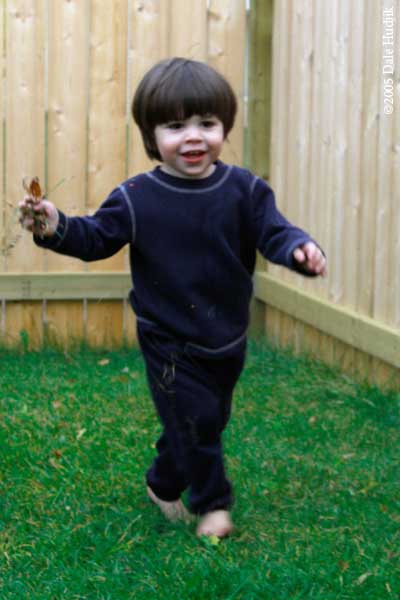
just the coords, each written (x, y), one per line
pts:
(69, 69)
(335, 167)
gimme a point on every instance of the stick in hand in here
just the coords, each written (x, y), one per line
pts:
(32, 187)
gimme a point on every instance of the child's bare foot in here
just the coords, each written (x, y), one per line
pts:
(216, 522)
(173, 511)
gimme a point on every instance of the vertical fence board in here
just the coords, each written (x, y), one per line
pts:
(339, 153)
(259, 87)
(24, 117)
(67, 144)
(148, 44)
(290, 204)
(393, 297)
(189, 41)
(107, 144)
(258, 109)
(384, 193)
(396, 182)
(325, 44)
(388, 198)
(369, 144)
(326, 195)
(351, 20)
(279, 109)
(353, 115)
(25, 129)
(68, 104)
(226, 43)
(2, 170)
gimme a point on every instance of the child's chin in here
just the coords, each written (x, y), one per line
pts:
(197, 171)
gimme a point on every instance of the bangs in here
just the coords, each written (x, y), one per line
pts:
(175, 90)
(183, 95)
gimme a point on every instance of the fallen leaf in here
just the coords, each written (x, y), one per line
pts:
(296, 457)
(210, 540)
(367, 401)
(80, 433)
(348, 456)
(344, 565)
(362, 578)
(56, 465)
(103, 362)
(120, 379)
(312, 420)
(214, 540)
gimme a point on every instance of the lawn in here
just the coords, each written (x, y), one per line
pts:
(314, 458)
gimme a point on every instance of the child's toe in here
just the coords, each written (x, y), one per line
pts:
(216, 522)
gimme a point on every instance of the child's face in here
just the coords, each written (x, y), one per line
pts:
(189, 148)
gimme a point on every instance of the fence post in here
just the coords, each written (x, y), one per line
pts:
(258, 135)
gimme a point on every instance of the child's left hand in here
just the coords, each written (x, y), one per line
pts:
(311, 258)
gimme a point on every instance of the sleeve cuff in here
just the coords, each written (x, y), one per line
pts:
(54, 241)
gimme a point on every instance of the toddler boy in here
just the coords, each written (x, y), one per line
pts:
(193, 225)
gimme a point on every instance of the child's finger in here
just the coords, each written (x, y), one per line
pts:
(27, 223)
(315, 258)
(320, 265)
(310, 250)
(42, 208)
(299, 255)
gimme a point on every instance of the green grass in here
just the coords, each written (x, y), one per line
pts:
(314, 458)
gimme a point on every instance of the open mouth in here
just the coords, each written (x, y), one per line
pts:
(193, 155)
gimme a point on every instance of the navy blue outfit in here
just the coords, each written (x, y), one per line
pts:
(193, 249)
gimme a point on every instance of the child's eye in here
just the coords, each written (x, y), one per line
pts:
(175, 125)
(208, 123)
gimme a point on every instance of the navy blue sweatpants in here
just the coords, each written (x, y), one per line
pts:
(192, 391)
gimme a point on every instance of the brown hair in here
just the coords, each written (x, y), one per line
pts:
(176, 89)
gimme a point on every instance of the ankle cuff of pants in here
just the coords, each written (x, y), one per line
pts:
(166, 495)
(224, 503)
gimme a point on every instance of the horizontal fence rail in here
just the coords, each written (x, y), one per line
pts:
(348, 326)
(64, 286)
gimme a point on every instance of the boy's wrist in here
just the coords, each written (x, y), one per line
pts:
(55, 234)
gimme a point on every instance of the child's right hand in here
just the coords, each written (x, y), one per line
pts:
(40, 217)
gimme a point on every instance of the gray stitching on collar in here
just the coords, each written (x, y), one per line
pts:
(131, 211)
(190, 190)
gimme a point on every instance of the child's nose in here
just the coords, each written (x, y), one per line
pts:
(193, 132)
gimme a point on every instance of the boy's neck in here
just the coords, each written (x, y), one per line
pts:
(167, 169)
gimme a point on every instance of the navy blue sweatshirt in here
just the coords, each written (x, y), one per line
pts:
(192, 247)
